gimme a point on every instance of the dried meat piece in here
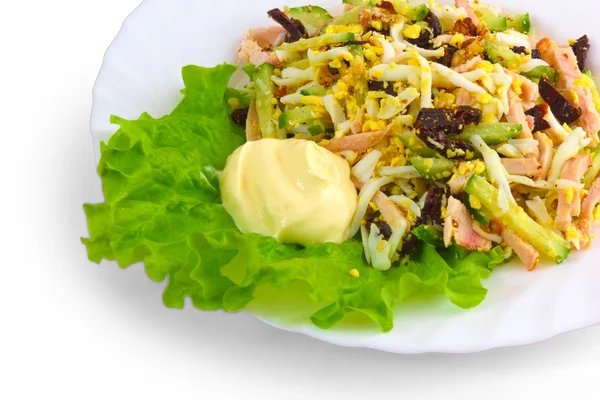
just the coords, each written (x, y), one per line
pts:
(384, 227)
(431, 214)
(240, 116)
(446, 147)
(424, 41)
(564, 111)
(451, 121)
(446, 59)
(295, 29)
(538, 113)
(468, 115)
(581, 48)
(536, 54)
(381, 86)
(434, 24)
(438, 119)
(519, 50)
(432, 210)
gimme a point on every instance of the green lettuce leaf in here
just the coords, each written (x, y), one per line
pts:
(162, 208)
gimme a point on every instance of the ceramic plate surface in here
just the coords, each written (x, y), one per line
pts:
(142, 72)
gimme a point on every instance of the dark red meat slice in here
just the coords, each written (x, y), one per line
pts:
(564, 111)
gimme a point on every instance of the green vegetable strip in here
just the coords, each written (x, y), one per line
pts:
(480, 215)
(265, 93)
(310, 15)
(436, 169)
(493, 21)
(348, 18)
(415, 144)
(520, 23)
(501, 55)
(544, 240)
(492, 134)
(538, 72)
(296, 116)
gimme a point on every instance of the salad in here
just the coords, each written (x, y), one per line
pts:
(395, 150)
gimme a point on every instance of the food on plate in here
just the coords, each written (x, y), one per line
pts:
(389, 151)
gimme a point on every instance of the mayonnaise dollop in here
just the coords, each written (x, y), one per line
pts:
(292, 190)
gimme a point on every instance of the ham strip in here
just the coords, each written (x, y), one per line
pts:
(564, 61)
(459, 226)
(256, 45)
(469, 65)
(569, 204)
(531, 91)
(546, 154)
(587, 214)
(522, 166)
(516, 115)
(390, 211)
(467, 6)
(526, 252)
(358, 143)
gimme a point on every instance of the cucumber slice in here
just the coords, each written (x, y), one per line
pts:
(310, 15)
(538, 72)
(415, 144)
(520, 23)
(437, 169)
(348, 18)
(429, 235)
(314, 90)
(492, 134)
(265, 92)
(480, 215)
(493, 21)
(295, 116)
(502, 55)
(544, 240)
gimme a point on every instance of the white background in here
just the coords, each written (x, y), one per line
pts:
(70, 329)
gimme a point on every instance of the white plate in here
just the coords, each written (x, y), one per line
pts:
(141, 72)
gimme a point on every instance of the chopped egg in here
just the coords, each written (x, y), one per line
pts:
(412, 31)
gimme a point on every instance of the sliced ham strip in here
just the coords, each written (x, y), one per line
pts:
(392, 214)
(522, 166)
(467, 6)
(587, 214)
(469, 65)
(526, 252)
(546, 154)
(564, 61)
(358, 143)
(516, 115)
(590, 118)
(531, 91)
(459, 226)
(464, 98)
(256, 45)
(569, 204)
(390, 211)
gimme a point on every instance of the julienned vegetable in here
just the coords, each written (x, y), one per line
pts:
(517, 219)
(461, 138)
